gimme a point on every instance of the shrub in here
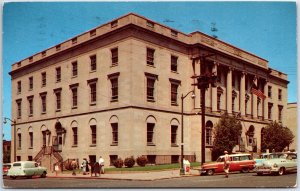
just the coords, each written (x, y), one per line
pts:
(129, 162)
(118, 163)
(141, 161)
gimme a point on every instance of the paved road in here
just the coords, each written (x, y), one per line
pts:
(248, 180)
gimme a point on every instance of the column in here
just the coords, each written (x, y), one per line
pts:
(254, 101)
(242, 94)
(229, 90)
(265, 102)
(214, 91)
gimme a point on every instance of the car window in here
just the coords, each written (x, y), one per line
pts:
(17, 164)
(244, 158)
(236, 158)
(220, 159)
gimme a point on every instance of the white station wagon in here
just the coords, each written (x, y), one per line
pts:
(286, 162)
(26, 169)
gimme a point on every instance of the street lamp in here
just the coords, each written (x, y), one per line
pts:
(13, 122)
(182, 98)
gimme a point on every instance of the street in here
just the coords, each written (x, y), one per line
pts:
(240, 180)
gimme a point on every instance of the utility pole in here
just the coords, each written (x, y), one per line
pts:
(203, 81)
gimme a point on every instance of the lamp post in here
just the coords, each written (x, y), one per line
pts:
(13, 122)
(182, 98)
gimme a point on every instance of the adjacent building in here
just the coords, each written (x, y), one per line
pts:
(292, 123)
(115, 91)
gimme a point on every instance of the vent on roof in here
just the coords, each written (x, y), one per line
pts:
(174, 33)
(18, 64)
(30, 59)
(74, 40)
(114, 24)
(150, 24)
(93, 32)
(44, 53)
(58, 47)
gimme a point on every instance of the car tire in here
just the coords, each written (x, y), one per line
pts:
(44, 175)
(245, 170)
(210, 172)
(259, 174)
(281, 171)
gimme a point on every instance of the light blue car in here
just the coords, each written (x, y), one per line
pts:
(266, 156)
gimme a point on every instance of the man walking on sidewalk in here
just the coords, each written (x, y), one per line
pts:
(226, 163)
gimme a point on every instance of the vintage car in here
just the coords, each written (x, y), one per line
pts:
(286, 162)
(5, 168)
(26, 169)
(265, 156)
(238, 162)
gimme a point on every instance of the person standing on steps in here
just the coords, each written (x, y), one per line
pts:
(226, 164)
(101, 163)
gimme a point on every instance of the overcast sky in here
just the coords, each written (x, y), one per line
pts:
(265, 29)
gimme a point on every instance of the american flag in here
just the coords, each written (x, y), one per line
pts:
(257, 92)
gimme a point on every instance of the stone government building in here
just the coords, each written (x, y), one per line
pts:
(115, 91)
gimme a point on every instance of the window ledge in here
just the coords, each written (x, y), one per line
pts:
(114, 65)
(75, 146)
(150, 100)
(208, 146)
(58, 110)
(75, 76)
(74, 107)
(93, 145)
(94, 103)
(43, 113)
(174, 104)
(176, 72)
(30, 115)
(174, 145)
(114, 144)
(57, 81)
(114, 100)
(30, 89)
(150, 144)
(30, 148)
(19, 148)
(150, 65)
(92, 71)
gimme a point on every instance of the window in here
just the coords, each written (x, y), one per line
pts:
(280, 107)
(94, 137)
(218, 101)
(93, 33)
(112, 158)
(174, 134)
(174, 159)
(233, 106)
(270, 91)
(279, 94)
(74, 69)
(74, 97)
(174, 88)
(43, 99)
(30, 83)
(151, 159)
(19, 108)
(58, 100)
(44, 137)
(30, 139)
(114, 127)
(270, 105)
(150, 56)
(93, 63)
(30, 158)
(75, 136)
(19, 87)
(19, 140)
(174, 63)
(114, 56)
(93, 90)
(208, 135)
(58, 74)
(114, 89)
(150, 132)
(150, 88)
(30, 105)
(44, 79)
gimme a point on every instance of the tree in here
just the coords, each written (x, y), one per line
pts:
(276, 137)
(226, 135)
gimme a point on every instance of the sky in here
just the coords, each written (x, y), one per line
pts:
(266, 29)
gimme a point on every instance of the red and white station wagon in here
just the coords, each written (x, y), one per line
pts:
(238, 162)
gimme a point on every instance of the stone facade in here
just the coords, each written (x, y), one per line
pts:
(129, 75)
(292, 123)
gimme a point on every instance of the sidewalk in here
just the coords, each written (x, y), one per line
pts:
(149, 175)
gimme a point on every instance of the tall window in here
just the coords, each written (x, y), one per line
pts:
(233, 80)
(150, 133)
(75, 136)
(43, 100)
(174, 134)
(30, 105)
(44, 79)
(208, 133)
(19, 87)
(174, 88)
(74, 69)
(270, 105)
(44, 137)
(269, 91)
(58, 100)
(114, 89)
(279, 94)
(74, 97)
(233, 106)
(19, 108)
(94, 135)
(150, 56)
(218, 101)
(30, 83)
(30, 139)
(150, 88)
(114, 127)
(114, 56)
(19, 140)
(58, 74)
(174, 63)
(93, 90)
(93, 63)
(280, 107)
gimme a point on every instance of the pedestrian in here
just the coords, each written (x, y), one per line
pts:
(226, 163)
(74, 166)
(97, 169)
(84, 166)
(92, 167)
(101, 163)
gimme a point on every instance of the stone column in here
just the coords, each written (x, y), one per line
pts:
(254, 101)
(242, 94)
(265, 101)
(214, 91)
(229, 90)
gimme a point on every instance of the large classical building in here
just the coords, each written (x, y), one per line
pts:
(115, 91)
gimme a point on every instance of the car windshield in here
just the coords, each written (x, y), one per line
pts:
(220, 159)
(17, 164)
(283, 156)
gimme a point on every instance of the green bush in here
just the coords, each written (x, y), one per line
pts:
(118, 163)
(129, 162)
(141, 161)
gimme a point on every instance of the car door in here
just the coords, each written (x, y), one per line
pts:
(234, 163)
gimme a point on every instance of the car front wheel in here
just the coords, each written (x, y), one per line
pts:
(44, 175)
(210, 172)
(281, 171)
(245, 170)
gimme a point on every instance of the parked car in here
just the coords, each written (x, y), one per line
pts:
(5, 168)
(26, 169)
(285, 163)
(265, 156)
(242, 162)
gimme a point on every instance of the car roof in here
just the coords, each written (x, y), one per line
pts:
(237, 154)
(24, 162)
